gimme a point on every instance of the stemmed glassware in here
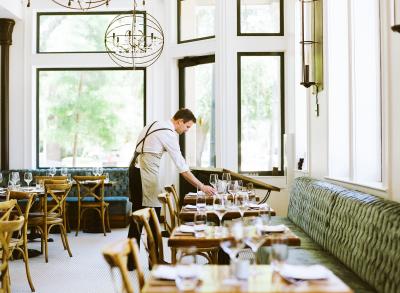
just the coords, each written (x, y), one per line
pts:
(279, 252)
(253, 237)
(242, 202)
(200, 199)
(219, 207)
(226, 177)
(52, 171)
(64, 171)
(213, 180)
(100, 171)
(28, 178)
(233, 246)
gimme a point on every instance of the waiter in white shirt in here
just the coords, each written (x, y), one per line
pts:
(144, 171)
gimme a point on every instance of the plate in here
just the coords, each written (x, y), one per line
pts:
(301, 272)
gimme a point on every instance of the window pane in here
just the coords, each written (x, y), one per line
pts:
(200, 98)
(260, 17)
(72, 32)
(89, 117)
(197, 19)
(260, 113)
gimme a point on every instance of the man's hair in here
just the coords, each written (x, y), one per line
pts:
(184, 114)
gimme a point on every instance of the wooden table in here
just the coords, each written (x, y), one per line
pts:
(179, 240)
(187, 215)
(263, 280)
(190, 198)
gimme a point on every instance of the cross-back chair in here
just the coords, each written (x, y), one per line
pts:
(147, 218)
(19, 242)
(171, 219)
(91, 197)
(52, 215)
(172, 190)
(116, 256)
(7, 228)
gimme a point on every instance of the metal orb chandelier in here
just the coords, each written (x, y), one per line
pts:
(79, 4)
(135, 39)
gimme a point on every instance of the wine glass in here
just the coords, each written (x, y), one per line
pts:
(95, 171)
(186, 270)
(200, 219)
(226, 177)
(242, 202)
(1, 177)
(279, 252)
(219, 207)
(64, 171)
(28, 178)
(253, 238)
(52, 171)
(15, 178)
(213, 180)
(100, 170)
(200, 199)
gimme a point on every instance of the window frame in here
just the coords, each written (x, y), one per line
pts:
(182, 64)
(239, 107)
(39, 14)
(281, 22)
(38, 70)
(179, 41)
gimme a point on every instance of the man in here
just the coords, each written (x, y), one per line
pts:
(144, 171)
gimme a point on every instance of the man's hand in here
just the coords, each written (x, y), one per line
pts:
(208, 190)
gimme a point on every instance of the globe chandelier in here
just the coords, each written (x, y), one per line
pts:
(135, 39)
(79, 4)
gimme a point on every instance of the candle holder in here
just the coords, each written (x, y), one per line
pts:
(396, 16)
(311, 43)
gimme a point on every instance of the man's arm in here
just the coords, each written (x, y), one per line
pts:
(189, 177)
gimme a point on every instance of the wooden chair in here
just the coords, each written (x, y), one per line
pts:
(20, 240)
(52, 215)
(172, 190)
(147, 218)
(116, 256)
(7, 228)
(93, 191)
(171, 219)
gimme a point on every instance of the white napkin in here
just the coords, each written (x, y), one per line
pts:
(186, 229)
(300, 272)
(195, 193)
(257, 206)
(164, 272)
(190, 207)
(275, 228)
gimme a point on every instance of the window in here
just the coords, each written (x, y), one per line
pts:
(260, 17)
(196, 20)
(88, 116)
(196, 76)
(73, 32)
(355, 129)
(261, 112)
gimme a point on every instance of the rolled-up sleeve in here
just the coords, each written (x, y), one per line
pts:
(170, 143)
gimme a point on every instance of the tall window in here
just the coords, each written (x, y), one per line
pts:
(197, 93)
(355, 151)
(196, 20)
(86, 116)
(261, 112)
(260, 17)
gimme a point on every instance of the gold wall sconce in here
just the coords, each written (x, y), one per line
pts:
(312, 46)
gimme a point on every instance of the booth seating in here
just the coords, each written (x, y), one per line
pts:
(117, 195)
(354, 234)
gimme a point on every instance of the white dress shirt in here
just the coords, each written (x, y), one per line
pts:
(163, 141)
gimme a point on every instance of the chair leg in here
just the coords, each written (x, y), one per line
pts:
(63, 240)
(28, 272)
(45, 238)
(103, 211)
(79, 220)
(66, 239)
(108, 219)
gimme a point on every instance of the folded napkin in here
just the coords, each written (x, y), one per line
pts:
(164, 272)
(257, 206)
(301, 272)
(190, 207)
(274, 229)
(195, 193)
(186, 229)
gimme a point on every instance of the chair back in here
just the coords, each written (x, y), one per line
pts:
(56, 197)
(90, 186)
(117, 255)
(7, 228)
(6, 208)
(172, 190)
(43, 178)
(171, 213)
(147, 217)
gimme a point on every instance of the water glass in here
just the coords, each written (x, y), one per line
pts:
(200, 219)
(200, 200)
(186, 271)
(279, 252)
(265, 214)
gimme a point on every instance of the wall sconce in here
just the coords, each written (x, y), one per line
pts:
(311, 45)
(396, 16)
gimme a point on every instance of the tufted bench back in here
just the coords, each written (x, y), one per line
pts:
(361, 230)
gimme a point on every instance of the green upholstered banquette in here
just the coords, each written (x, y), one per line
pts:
(356, 235)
